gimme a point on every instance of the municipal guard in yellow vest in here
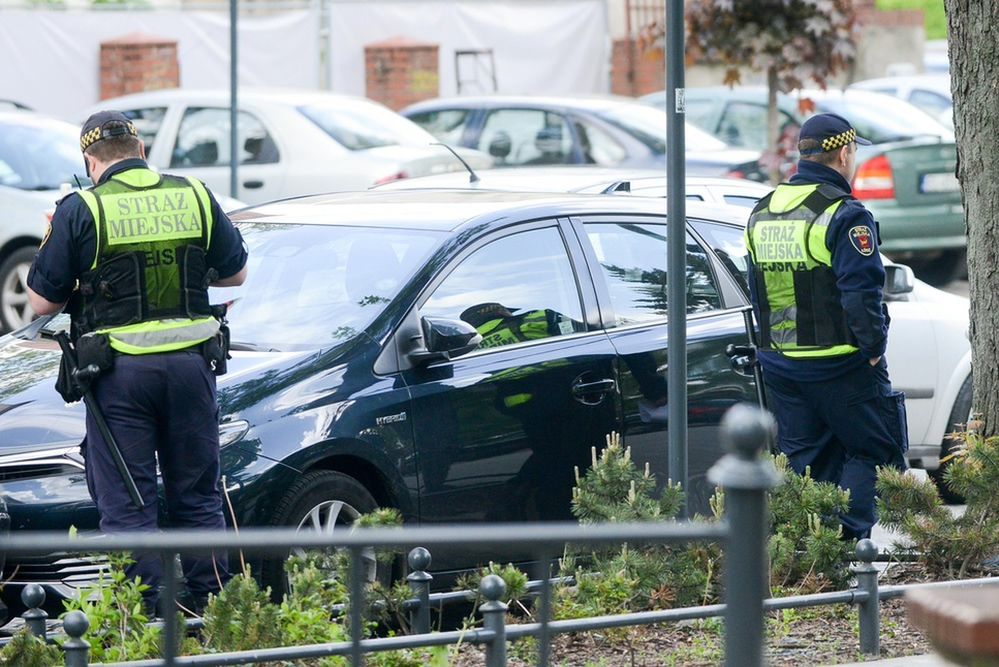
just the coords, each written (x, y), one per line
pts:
(816, 281)
(134, 257)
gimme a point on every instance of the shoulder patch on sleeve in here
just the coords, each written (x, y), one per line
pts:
(862, 240)
(48, 233)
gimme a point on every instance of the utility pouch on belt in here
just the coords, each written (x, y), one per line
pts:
(66, 384)
(216, 348)
(94, 349)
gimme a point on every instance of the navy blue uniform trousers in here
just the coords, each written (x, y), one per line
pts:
(160, 408)
(842, 429)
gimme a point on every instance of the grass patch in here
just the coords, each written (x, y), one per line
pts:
(933, 10)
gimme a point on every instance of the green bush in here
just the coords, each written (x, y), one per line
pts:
(948, 545)
(807, 551)
(27, 650)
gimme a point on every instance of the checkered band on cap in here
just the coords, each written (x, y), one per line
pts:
(109, 129)
(839, 140)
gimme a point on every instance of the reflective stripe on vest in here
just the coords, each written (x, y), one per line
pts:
(794, 281)
(134, 211)
(161, 335)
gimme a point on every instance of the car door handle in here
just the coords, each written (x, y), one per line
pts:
(253, 185)
(605, 386)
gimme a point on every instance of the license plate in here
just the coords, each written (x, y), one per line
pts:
(938, 182)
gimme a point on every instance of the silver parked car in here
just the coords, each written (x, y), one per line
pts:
(291, 142)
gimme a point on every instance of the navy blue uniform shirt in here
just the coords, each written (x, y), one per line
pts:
(71, 244)
(860, 280)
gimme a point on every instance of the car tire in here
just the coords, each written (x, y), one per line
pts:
(321, 501)
(14, 309)
(942, 269)
(958, 415)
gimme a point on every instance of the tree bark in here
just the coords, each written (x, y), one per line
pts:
(973, 37)
(773, 133)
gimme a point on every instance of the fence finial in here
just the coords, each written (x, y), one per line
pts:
(76, 649)
(33, 597)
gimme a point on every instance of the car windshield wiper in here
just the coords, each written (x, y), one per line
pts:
(250, 347)
(39, 326)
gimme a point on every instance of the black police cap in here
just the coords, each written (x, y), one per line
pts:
(104, 125)
(830, 130)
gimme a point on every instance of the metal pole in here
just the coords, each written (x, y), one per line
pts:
(419, 583)
(676, 254)
(746, 478)
(493, 588)
(170, 639)
(233, 108)
(867, 581)
(356, 607)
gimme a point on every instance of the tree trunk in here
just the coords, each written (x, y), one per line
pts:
(773, 147)
(973, 29)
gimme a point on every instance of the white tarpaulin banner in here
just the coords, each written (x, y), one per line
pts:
(539, 46)
(50, 60)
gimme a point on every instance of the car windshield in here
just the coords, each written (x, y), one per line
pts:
(882, 119)
(358, 125)
(648, 125)
(310, 286)
(38, 154)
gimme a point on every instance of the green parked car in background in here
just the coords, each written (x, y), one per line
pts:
(906, 179)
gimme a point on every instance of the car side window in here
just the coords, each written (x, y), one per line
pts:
(746, 201)
(448, 125)
(745, 124)
(932, 103)
(729, 243)
(147, 123)
(516, 289)
(203, 139)
(526, 137)
(632, 258)
(597, 146)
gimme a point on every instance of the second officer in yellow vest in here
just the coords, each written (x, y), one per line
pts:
(143, 249)
(816, 282)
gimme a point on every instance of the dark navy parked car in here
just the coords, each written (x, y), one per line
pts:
(452, 354)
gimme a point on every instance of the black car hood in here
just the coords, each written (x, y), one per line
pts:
(33, 416)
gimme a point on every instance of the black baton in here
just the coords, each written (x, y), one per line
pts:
(84, 376)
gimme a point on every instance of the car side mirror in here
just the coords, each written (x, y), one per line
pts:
(500, 146)
(444, 340)
(899, 280)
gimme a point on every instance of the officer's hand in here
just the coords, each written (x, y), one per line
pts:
(874, 361)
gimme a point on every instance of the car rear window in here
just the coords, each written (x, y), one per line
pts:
(360, 125)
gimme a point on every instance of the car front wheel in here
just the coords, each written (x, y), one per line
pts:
(14, 309)
(321, 502)
(959, 415)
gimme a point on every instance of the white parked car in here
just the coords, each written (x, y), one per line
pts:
(291, 142)
(929, 92)
(929, 354)
(38, 156)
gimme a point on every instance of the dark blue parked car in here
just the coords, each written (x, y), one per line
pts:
(452, 354)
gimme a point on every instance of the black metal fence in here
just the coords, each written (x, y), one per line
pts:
(743, 474)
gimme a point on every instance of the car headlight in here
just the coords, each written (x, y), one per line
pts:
(231, 432)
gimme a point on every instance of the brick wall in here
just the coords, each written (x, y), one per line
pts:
(636, 70)
(400, 72)
(137, 62)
